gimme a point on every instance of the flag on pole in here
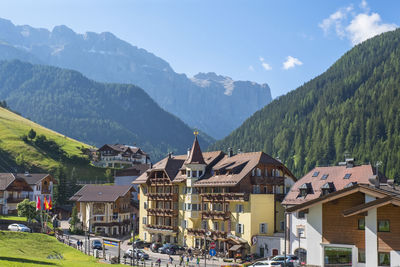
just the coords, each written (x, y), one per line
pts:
(46, 204)
(38, 206)
(50, 204)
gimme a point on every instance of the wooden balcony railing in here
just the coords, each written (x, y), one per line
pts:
(162, 212)
(202, 232)
(213, 214)
(160, 181)
(270, 180)
(162, 227)
(161, 196)
(15, 200)
(224, 197)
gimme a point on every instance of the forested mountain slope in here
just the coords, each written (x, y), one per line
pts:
(354, 106)
(106, 58)
(92, 112)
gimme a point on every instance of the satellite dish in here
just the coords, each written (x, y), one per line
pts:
(208, 233)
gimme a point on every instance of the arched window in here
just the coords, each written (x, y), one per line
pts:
(258, 172)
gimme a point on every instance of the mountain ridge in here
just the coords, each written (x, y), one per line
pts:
(106, 58)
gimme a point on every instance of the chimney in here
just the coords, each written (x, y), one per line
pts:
(230, 152)
(374, 180)
(349, 162)
(239, 151)
(169, 154)
(188, 152)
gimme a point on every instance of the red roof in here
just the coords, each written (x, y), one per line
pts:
(335, 174)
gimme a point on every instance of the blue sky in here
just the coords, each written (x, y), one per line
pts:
(282, 43)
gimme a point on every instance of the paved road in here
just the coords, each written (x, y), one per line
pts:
(153, 257)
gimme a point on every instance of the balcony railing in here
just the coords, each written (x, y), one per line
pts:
(270, 180)
(162, 212)
(169, 228)
(161, 196)
(15, 200)
(202, 232)
(224, 197)
(213, 214)
(160, 181)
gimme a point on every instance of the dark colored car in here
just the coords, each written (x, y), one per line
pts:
(97, 244)
(164, 248)
(175, 250)
(140, 244)
(155, 246)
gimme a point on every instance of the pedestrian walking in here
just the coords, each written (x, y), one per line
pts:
(198, 261)
(170, 259)
(158, 262)
(181, 260)
(187, 260)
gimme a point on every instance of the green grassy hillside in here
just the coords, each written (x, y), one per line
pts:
(25, 249)
(15, 153)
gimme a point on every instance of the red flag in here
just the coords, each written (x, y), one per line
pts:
(50, 204)
(46, 204)
(38, 206)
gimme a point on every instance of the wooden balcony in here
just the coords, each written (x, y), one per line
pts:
(168, 228)
(224, 197)
(162, 196)
(202, 232)
(269, 180)
(162, 212)
(160, 181)
(15, 200)
(215, 215)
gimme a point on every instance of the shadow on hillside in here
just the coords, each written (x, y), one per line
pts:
(26, 261)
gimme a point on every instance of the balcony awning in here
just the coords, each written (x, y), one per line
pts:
(235, 248)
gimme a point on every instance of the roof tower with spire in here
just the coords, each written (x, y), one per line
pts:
(195, 155)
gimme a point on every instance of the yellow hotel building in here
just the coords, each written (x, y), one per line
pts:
(202, 197)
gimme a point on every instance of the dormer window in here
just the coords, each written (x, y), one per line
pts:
(327, 188)
(324, 177)
(347, 175)
(350, 184)
(305, 189)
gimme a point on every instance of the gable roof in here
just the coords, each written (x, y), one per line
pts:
(173, 164)
(7, 180)
(195, 155)
(335, 174)
(229, 171)
(122, 148)
(33, 178)
(380, 192)
(101, 193)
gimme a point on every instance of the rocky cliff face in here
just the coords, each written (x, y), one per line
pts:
(106, 58)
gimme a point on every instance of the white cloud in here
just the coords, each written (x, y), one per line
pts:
(365, 26)
(264, 64)
(355, 26)
(291, 62)
(251, 68)
(335, 20)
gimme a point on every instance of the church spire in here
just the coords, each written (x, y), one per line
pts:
(195, 155)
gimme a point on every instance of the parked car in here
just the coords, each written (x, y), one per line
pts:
(97, 244)
(164, 248)
(291, 261)
(265, 263)
(175, 250)
(140, 243)
(19, 228)
(155, 246)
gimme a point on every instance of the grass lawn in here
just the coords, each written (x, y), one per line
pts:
(13, 218)
(13, 126)
(25, 249)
